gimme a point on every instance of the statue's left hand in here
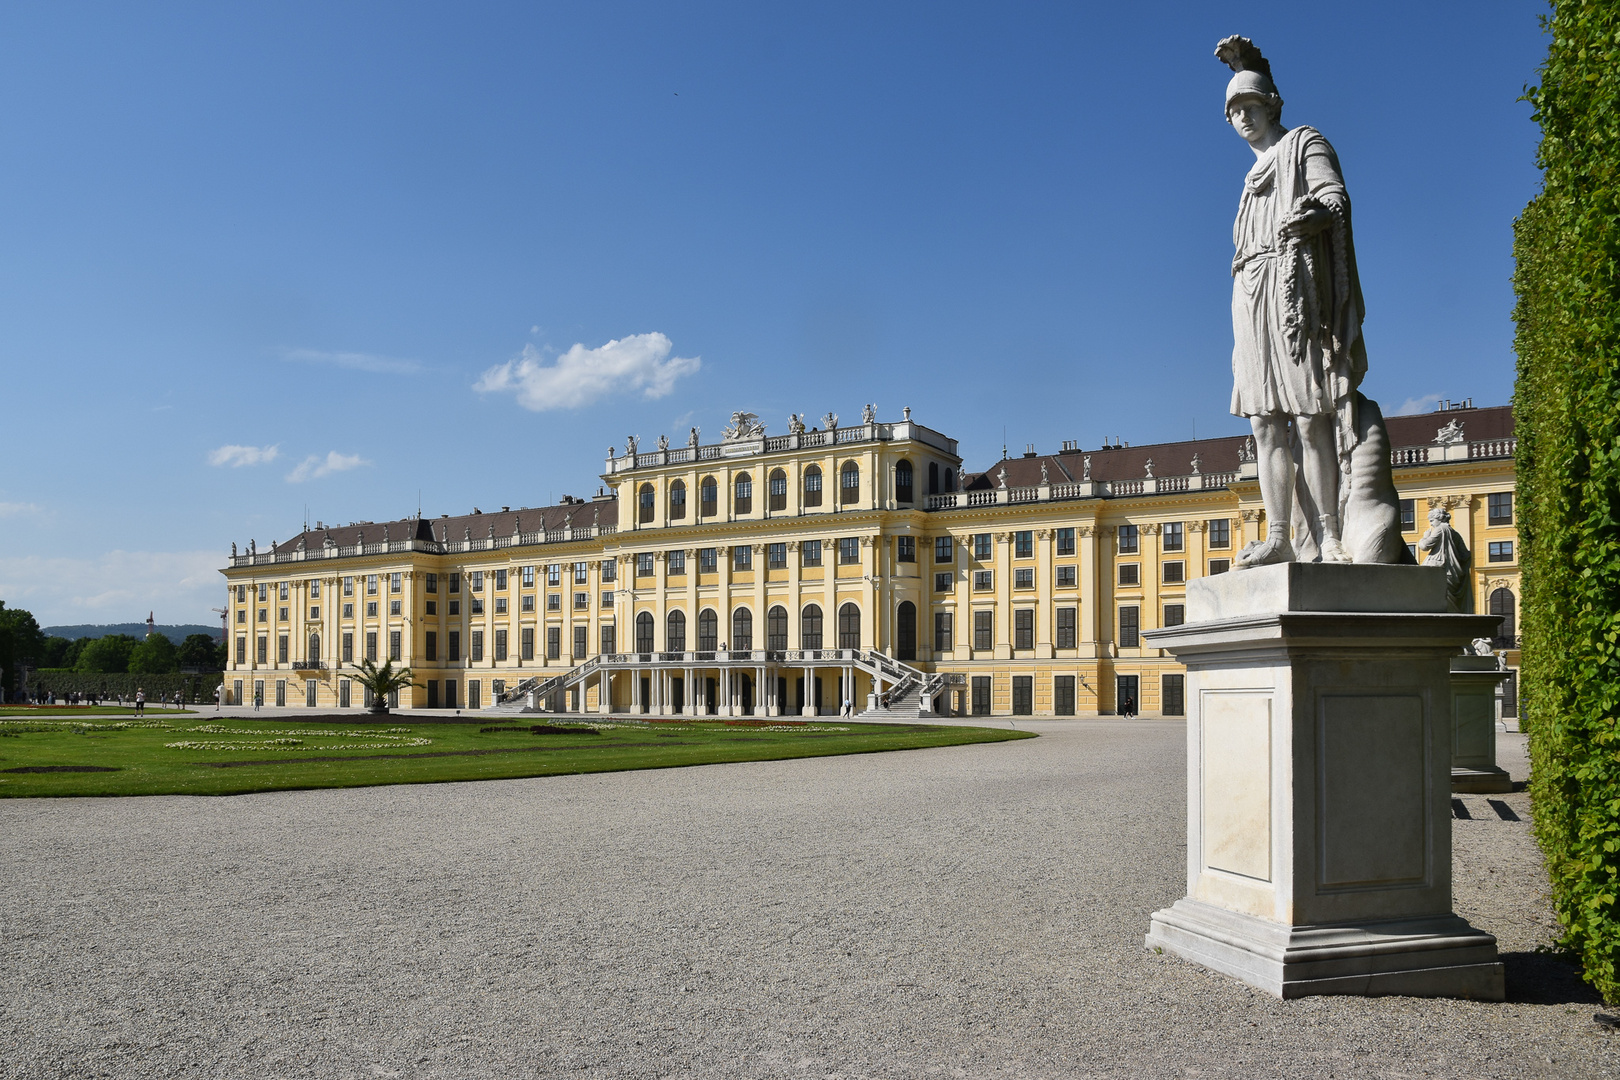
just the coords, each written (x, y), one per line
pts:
(1307, 222)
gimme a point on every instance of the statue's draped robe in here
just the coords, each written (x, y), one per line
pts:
(1296, 303)
(1445, 548)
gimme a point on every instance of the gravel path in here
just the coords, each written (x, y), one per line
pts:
(970, 911)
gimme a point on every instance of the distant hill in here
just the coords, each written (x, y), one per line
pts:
(175, 633)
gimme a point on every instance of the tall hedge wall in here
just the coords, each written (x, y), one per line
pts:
(1567, 416)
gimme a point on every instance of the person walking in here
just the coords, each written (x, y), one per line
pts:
(849, 708)
(219, 694)
(140, 702)
(258, 699)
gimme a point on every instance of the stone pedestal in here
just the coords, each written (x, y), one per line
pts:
(1319, 783)
(1474, 680)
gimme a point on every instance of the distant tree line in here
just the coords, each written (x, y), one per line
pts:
(22, 641)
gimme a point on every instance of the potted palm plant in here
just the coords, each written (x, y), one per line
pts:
(382, 681)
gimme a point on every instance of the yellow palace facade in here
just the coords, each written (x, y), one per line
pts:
(799, 574)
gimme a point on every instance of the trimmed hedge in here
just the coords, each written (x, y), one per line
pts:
(198, 689)
(1567, 418)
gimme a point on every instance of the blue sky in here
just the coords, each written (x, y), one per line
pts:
(260, 258)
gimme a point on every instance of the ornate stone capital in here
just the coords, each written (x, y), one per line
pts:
(866, 541)
(658, 556)
(793, 545)
(1086, 530)
(1197, 526)
(1250, 515)
(1043, 534)
(1153, 528)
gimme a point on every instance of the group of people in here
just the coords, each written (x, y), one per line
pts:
(95, 698)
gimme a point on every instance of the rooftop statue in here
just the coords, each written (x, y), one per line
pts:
(744, 425)
(1297, 354)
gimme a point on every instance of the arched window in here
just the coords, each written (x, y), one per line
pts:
(778, 489)
(314, 646)
(677, 500)
(743, 501)
(849, 483)
(933, 478)
(709, 492)
(950, 479)
(776, 629)
(644, 632)
(1502, 604)
(810, 627)
(905, 632)
(675, 639)
(742, 629)
(812, 486)
(646, 501)
(902, 482)
(849, 627)
(708, 630)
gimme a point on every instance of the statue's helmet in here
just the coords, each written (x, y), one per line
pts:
(1251, 84)
(1251, 71)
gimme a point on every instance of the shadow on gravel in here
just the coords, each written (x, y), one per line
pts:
(1546, 979)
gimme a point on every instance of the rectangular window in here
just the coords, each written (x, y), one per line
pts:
(477, 606)
(348, 648)
(644, 564)
(281, 615)
(526, 643)
(943, 581)
(1220, 533)
(371, 609)
(455, 583)
(500, 646)
(582, 601)
(677, 561)
(1023, 698)
(500, 581)
(1024, 577)
(345, 693)
(371, 584)
(314, 589)
(981, 695)
(905, 549)
(393, 645)
(454, 647)
(742, 557)
(554, 601)
(1024, 628)
(281, 591)
(983, 580)
(396, 583)
(528, 577)
(609, 640)
(554, 643)
(1501, 551)
(241, 593)
(1024, 544)
(1063, 695)
(1129, 540)
(981, 546)
(1175, 572)
(348, 586)
(1499, 507)
(1175, 614)
(810, 552)
(943, 549)
(942, 631)
(554, 573)
(1066, 577)
(1219, 566)
(1065, 627)
(348, 611)
(580, 642)
(984, 630)
(241, 615)
(708, 560)
(394, 607)
(264, 649)
(1408, 515)
(607, 598)
(449, 694)
(1175, 536)
(776, 558)
(1173, 695)
(1130, 627)
(610, 570)
(476, 652)
(528, 603)
(1065, 541)
(849, 550)
(430, 646)
(455, 607)
(1130, 573)
(582, 573)
(433, 693)
(241, 650)
(473, 696)
(264, 592)
(371, 645)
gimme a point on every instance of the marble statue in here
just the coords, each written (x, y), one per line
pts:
(869, 414)
(1445, 548)
(1197, 464)
(1451, 433)
(1085, 468)
(1149, 468)
(630, 444)
(1298, 357)
(233, 549)
(830, 421)
(663, 442)
(1001, 477)
(744, 425)
(795, 424)
(1482, 647)
(692, 439)
(1044, 480)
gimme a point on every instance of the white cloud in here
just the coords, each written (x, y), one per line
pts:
(237, 456)
(377, 365)
(116, 586)
(314, 467)
(11, 509)
(581, 376)
(1414, 406)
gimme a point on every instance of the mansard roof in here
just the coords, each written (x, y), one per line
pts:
(580, 512)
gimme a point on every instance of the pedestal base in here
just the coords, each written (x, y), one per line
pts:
(1440, 956)
(1489, 780)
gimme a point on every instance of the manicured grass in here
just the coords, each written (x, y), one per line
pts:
(53, 711)
(232, 756)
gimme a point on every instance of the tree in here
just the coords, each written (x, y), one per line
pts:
(71, 654)
(54, 654)
(106, 654)
(382, 681)
(1567, 413)
(201, 651)
(154, 656)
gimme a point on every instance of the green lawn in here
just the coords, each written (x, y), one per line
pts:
(174, 755)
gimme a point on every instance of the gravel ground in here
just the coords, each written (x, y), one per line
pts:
(970, 911)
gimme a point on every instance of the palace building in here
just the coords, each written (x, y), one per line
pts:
(783, 575)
